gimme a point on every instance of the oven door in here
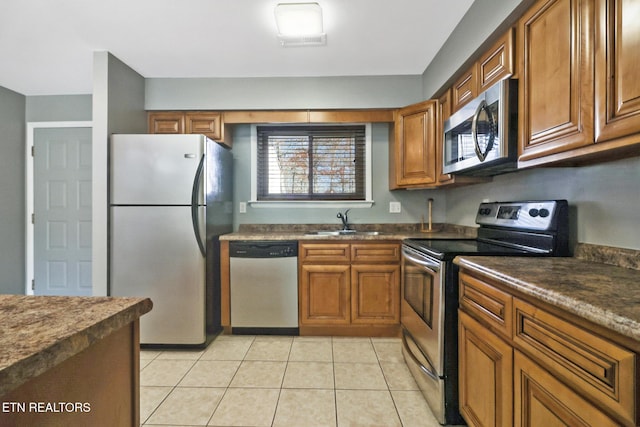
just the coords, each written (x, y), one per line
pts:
(422, 308)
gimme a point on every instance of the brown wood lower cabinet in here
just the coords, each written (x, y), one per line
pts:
(375, 294)
(324, 294)
(524, 363)
(540, 399)
(486, 373)
(349, 288)
(97, 387)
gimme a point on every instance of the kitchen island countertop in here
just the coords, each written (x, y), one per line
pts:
(38, 333)
(604, 294)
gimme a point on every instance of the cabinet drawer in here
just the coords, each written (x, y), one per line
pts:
(375, 252)
(324, 252)
(597, 368)
(487, 304)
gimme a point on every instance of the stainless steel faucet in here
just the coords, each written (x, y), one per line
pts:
(345, 220)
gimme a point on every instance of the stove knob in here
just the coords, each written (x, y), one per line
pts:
(544, 213)
(533, 212)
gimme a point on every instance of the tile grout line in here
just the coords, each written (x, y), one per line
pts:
(273, 418)
(288, 361)
(335, 393)
(226, 389)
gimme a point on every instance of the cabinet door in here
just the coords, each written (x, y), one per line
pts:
(324, 295)
(542, 400)
(204, 123)
(171, 122)
(415, 145)
(465, 88)
(375, 294)
(485, 375)
(444, 112)
(556, 77)
(497, 63)
(617, 76)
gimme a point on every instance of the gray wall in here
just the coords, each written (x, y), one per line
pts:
(118, 107)
(12, 191)
(604, 199)
(485, 21)
(59, 108)
(283, 93)
(414, 203)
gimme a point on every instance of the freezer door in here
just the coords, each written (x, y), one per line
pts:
(154, 169)
(154, 254)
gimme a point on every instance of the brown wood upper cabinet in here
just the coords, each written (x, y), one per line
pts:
(495, 64)
(556, 77)
(465, 88)
(199, 122)
(617, 69)
(413, 159)
(415, 156)
(568, 48)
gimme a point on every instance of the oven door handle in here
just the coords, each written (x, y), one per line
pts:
(433, 267)
(430, 371)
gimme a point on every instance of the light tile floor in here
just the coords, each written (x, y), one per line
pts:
(282, 381)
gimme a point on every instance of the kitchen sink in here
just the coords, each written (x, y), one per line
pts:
(342, 233)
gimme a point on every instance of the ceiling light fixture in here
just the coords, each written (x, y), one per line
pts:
(300, 24)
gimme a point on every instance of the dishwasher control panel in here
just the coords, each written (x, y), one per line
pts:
(263, 249)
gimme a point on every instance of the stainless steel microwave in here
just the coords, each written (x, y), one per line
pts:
(481, 138)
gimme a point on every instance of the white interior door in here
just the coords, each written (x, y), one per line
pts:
(62, 211)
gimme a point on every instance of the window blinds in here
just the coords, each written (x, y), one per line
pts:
(311, 162)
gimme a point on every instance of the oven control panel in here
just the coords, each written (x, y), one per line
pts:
(530, 215)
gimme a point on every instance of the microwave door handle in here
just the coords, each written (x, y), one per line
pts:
(482, 154)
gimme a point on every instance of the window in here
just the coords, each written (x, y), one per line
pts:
(312, 163)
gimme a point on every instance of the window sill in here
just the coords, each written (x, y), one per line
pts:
(312, 204)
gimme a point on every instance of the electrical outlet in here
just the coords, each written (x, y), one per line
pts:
(395, 207)
(242, 207)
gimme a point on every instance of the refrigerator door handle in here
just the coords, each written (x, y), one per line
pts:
(197, 182)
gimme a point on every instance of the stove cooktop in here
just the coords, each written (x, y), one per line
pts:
(444, 249)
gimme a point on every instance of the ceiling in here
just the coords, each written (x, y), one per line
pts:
(47, 46)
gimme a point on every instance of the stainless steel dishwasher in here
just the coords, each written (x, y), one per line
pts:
(264, 287)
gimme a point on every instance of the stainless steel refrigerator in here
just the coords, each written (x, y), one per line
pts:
(170, 199)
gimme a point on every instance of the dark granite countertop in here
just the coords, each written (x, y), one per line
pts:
(386, 232)
(604, 294)
(39, 332)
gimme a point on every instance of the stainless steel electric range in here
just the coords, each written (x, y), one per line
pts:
(430, 288)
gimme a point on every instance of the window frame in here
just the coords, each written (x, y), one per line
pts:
(367, 202)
